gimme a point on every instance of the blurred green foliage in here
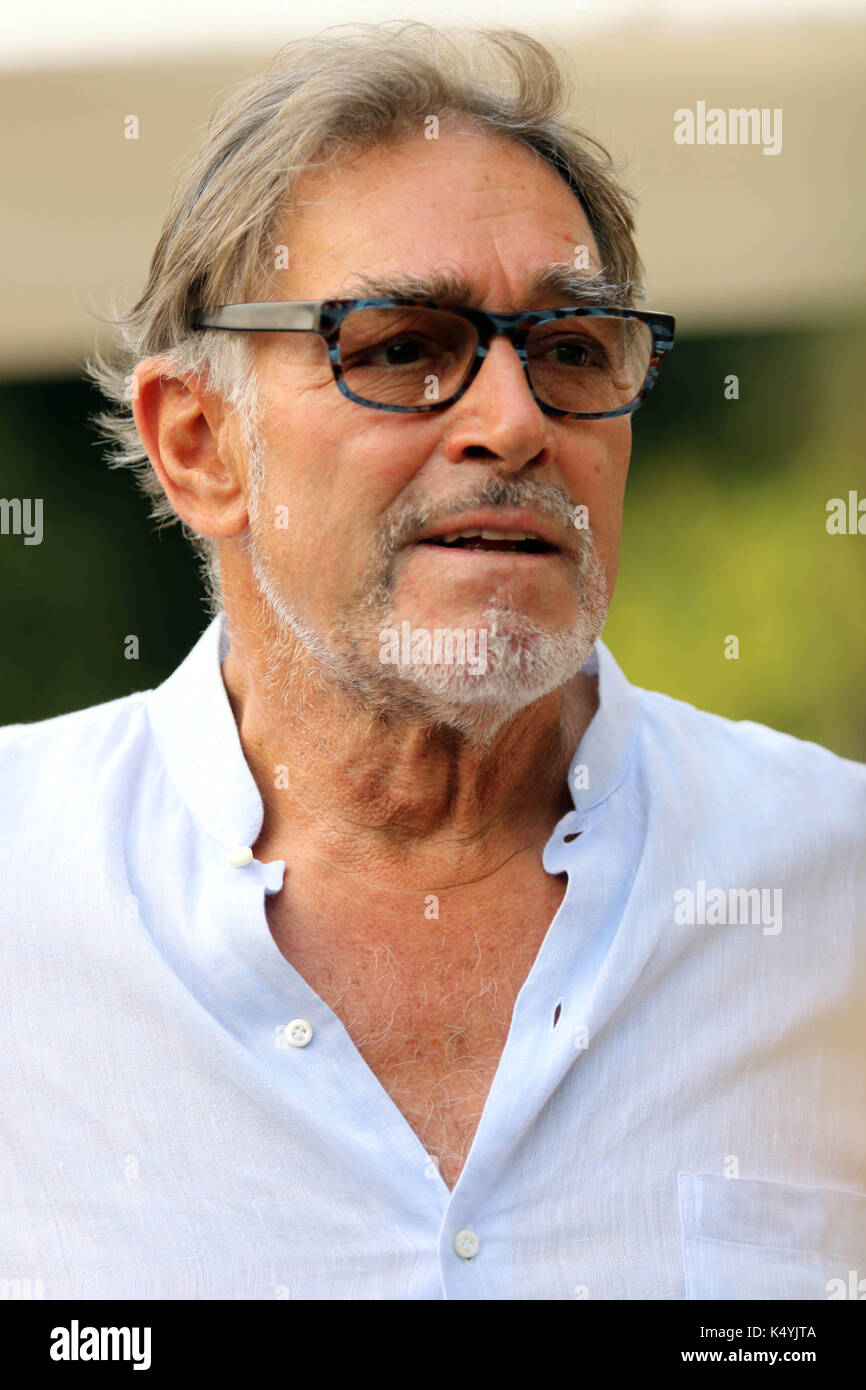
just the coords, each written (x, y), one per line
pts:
(102, 572)
(724, 534)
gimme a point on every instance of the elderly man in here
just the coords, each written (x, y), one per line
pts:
(396, 947)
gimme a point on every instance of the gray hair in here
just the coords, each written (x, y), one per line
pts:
(342, 92)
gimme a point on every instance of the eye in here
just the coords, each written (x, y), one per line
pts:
(574, 352)
(402, 350)
(397, 352)
(571, 354)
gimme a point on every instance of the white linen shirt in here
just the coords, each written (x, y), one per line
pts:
(679, 1111)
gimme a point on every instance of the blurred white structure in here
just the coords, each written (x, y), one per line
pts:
(730, 237)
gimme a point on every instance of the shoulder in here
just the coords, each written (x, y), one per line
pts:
(751, 759)
(49, 759)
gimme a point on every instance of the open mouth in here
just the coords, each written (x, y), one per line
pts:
(517, 542)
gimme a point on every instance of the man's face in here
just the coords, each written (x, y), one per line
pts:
(348, 491)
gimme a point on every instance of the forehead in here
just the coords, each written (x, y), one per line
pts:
(470, 208)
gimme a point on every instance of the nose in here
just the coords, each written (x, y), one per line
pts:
(498, 418)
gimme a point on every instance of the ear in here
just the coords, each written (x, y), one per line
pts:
(193, 439)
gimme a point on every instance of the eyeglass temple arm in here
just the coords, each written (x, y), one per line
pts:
(261, 318)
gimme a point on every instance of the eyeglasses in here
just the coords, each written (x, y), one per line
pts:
(414, 355)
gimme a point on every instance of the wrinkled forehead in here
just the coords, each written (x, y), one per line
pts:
(456, 220)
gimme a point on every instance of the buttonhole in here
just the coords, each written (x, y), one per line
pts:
(573, 836)
(557, 1013)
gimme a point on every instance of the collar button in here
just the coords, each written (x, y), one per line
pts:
(239, 856)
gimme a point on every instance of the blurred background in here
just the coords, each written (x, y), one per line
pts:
(761, 258)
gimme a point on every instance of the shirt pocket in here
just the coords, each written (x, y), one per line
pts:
(750, 1238)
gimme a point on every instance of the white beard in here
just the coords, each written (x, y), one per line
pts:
(523, 660)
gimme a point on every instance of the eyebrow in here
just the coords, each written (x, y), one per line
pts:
(570, 285)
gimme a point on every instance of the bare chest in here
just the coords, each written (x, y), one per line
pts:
(428, 1011)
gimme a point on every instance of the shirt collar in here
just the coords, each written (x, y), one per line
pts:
(606, 749)
(196, 733)
(198, 740)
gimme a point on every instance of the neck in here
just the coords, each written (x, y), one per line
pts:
(386, 798)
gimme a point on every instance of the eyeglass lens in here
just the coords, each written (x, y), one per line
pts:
(411, 356)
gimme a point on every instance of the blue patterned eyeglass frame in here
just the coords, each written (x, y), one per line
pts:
(325, 316)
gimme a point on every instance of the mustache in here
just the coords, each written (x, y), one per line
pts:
(410, 519)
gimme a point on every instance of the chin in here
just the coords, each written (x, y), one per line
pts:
(508, 662)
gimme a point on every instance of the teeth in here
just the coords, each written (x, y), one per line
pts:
(487, 536)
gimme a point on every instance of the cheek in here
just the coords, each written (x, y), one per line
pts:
(331, 476)
(600, 476)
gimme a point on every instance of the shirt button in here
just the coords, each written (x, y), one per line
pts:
(299, 1032)
(239, 856)
(466, 1243)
